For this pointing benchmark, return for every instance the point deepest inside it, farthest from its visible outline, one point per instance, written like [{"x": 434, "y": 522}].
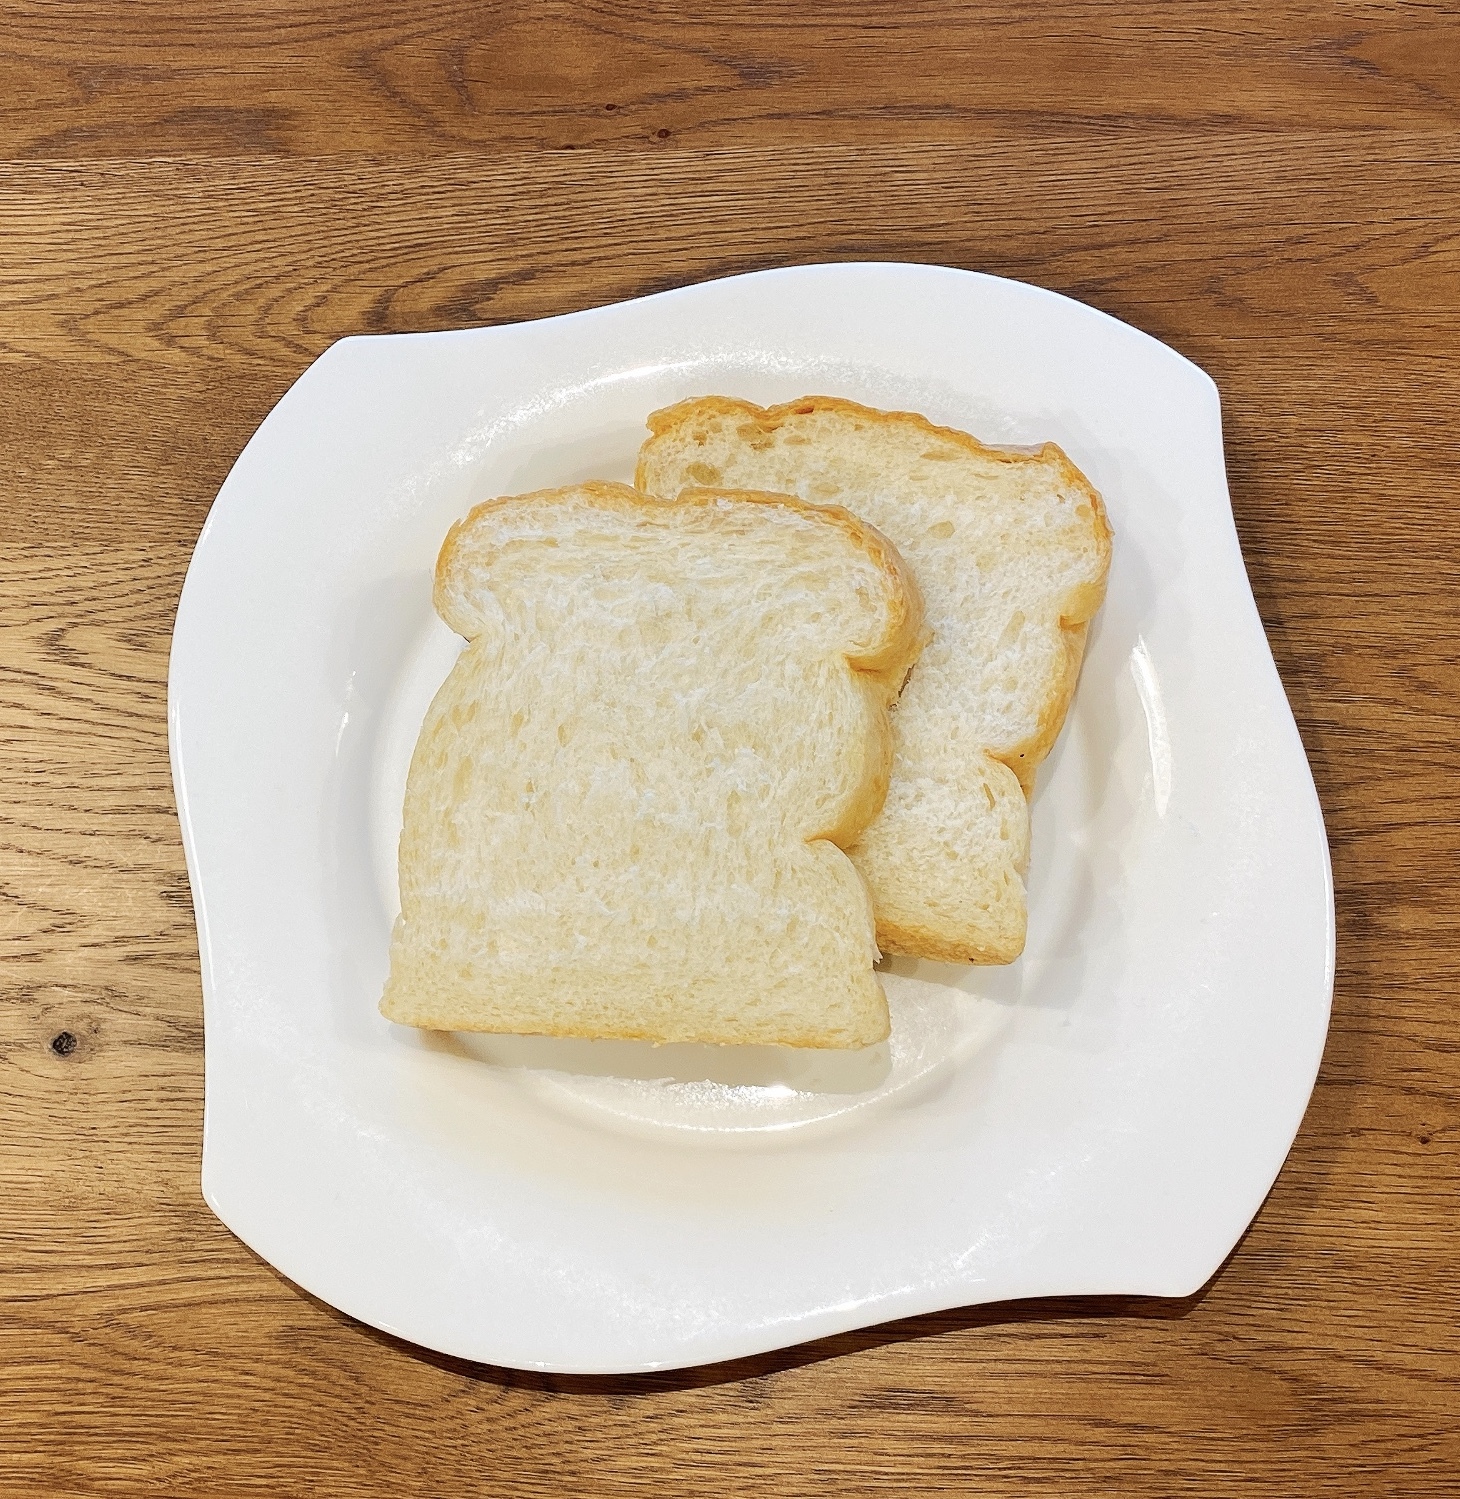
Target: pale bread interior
[
  {"x": 1011, "y": 551},
  {"x": 626, "y": 810}
]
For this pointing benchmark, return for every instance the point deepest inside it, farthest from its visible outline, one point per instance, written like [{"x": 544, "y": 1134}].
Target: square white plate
[{"x": 1105, "y": 1115}]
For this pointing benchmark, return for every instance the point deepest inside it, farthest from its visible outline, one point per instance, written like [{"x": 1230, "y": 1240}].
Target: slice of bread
[
  {"x": 626, "y": 811},
  {"x": 1011, "y": 550}
]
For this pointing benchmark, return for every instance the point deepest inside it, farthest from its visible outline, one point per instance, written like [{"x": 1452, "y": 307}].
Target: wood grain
[
  {"x": 419, "y": 79},
  {"x": 195, "y": 201}
]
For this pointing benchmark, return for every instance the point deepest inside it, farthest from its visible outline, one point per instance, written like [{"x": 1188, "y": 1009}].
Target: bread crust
[{"x": 897, "y": 941}]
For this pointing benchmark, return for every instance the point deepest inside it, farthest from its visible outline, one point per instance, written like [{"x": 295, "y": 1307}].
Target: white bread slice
[
  {"x": 1011, "y": 550},
  {"x": 626, "y": 811}
]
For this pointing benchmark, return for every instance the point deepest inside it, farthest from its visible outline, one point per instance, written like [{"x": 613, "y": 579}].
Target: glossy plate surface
[{"x": 1105, "y": 1115}]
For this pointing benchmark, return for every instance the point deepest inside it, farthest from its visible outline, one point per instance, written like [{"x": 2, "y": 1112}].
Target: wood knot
[{"x": 63, "y": 1043}]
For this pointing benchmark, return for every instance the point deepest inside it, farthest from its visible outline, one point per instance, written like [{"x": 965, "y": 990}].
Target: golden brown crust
[
  {"x": 907, "y": 941},
  {"x": 814, "y": 1040},
  {"x": 768, "y": 418},
  {"x": 1031, "y": 753},
  {"x": 1075, "y": 615}
]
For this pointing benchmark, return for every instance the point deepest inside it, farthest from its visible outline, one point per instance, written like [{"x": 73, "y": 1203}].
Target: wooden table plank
[
  {"x": 283, "y": 80},
  {"x": 1246, "y": 235},
  {"x": 194, "y": 203}
]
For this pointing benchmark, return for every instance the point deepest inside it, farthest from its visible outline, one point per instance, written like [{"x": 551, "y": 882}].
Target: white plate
[{"x": 1104, "y": 1116}]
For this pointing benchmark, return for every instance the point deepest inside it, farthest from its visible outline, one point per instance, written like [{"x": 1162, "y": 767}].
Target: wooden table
[{"x": 195, "y": 199}]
